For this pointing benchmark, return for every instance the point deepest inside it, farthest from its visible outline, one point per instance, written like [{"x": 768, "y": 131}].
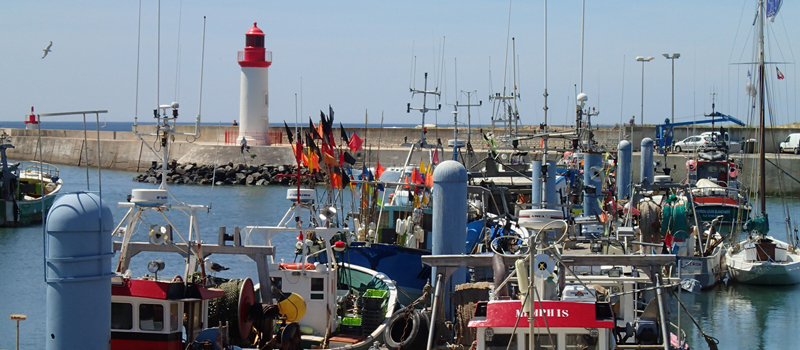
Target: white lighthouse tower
[{"x": 254, "y": 94}]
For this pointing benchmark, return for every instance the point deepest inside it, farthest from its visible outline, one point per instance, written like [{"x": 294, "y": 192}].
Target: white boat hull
[{"x": 747, "y": 271}]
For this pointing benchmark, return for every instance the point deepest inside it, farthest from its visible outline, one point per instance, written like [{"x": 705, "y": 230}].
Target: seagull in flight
[{"x": 47, "y": 49}]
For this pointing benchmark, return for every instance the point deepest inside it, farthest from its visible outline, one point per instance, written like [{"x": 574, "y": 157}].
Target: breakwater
[
  {"x": 226, "y": 174},
  {"x": 125, "y": 151}
]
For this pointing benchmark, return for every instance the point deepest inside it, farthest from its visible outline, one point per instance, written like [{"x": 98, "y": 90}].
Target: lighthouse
[{"x": 254, "y": 94}]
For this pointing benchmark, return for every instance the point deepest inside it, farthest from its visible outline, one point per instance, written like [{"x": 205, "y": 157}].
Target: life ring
[
  {"x": 733, "y": 171},
  {"x": 296, "y": 266},
  {"x": 691, "y": 164},
  {"x": 407, "y": 331}
]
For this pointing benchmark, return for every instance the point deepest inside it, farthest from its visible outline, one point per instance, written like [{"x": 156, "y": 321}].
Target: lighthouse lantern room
[{"x": 254, "y": 94}]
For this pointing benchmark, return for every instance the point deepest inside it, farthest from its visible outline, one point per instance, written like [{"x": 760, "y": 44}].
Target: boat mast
[{"x": 761, "y": 127}]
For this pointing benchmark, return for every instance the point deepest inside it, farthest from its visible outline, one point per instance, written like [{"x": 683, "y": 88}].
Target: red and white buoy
[
  {"x": 254, "y": 94},
  {"x": 31, "y": 123}
]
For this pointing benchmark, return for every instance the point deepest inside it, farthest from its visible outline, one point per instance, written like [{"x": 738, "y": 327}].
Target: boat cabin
[
  {"x": 151, "y": 314},
  {"x": 572, "y": 325}
]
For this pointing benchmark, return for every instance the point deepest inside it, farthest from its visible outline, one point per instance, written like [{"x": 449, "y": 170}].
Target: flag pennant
[
  {"x": 416, "y": 177},
  {"x": 329, "y": 159},
  {"x": 289, "y": 134},
  {"x": 379, "y": 170},
  {"x": 773, "y": 6},
  {"x": 345, "y": 177},
  {"x": 343, "y": 134},
  {"x": 780, "y": 75},
  {"x": 421, "y": 166},
  {"x": 435, "y": 158},
  {"x": 313, "y": 130},
  {"x": 355, "y": 143},
  {"x": 349, "y": 159}
]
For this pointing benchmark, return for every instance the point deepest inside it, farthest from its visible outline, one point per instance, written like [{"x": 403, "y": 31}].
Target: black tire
[
  {"x": 677, "y": 149},
  {"x": 406, "y": 333}
]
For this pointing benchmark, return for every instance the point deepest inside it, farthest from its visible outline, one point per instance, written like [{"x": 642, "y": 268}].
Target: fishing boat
[
  {"x": 761, "y": 259},
  {"x": 28, "y": 189},
  {"x": 716, "y": 188}
]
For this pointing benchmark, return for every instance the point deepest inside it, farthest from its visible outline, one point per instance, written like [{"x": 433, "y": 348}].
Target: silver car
[{"x": 691, "y": 143}]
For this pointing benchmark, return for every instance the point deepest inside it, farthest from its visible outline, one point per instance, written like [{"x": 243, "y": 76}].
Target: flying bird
[
  {"x": 47, "y": 49},
  {"x": 215, "y": 267}
]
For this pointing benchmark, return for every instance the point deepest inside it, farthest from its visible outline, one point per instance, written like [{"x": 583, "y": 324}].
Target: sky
[{"x": 361, "y": 57}]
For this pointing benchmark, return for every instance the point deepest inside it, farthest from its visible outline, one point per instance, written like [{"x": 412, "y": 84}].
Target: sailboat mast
[{"x": 762, "y": 184}]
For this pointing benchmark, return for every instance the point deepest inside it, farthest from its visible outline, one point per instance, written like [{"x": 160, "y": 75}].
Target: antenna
[{"x": 424, "y": 109}]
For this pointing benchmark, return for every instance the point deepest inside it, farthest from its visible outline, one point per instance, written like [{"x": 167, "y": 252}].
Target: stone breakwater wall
[{"x": 226, "y": 174}]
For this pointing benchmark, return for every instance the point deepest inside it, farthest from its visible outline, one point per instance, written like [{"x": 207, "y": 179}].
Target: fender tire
[{"x": 416, "y": 335}]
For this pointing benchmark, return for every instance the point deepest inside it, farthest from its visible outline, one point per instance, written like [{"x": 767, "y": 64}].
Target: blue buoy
[
  {"x": 646, "y": 170},
  {"x": 624, "y": 166},
  {"x": 78, "y": 272},
  {"x": 592, "y": 175},
  {"x": 449, "y": 220},
  {"x": 550, "y": 194},
  {"x": 536, "y": 183}
]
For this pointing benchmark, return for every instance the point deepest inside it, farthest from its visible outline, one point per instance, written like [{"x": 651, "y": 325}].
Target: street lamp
[
  {"x": 643, "y": 60},
  {"x": 673, "y": 58}
]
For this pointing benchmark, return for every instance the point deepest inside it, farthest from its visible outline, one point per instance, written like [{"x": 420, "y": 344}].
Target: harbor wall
[{"x": 124, "y": 151}]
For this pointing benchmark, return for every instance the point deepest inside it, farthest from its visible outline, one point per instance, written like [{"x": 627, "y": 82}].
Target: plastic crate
[
  {"x": 350, "y": 325},
  {"x": 373, "y": 299}
]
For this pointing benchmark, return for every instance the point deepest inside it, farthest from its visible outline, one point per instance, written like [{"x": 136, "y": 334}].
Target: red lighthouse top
[{"x": 254, "y": 54}]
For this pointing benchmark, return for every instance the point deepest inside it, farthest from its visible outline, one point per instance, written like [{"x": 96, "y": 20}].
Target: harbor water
[{"x": 740, "y": 316}]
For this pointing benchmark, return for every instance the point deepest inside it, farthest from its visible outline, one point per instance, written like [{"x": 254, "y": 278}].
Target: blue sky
[{"x": 357, "y": 57}]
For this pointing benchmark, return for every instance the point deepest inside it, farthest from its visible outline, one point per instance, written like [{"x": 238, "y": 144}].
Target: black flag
[
  {"x": 289, "y": 133},
  {"x": 344, "y": 134}
]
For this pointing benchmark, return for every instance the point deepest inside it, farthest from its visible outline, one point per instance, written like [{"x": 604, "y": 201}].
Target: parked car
[
  {"x": 691, "y": 143},
  {"x": 791, "y": 144}
]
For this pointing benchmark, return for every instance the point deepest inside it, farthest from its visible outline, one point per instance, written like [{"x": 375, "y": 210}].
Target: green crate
[
  {"x": 351, "y": 321},
  {"x": 375, "y": 293}
]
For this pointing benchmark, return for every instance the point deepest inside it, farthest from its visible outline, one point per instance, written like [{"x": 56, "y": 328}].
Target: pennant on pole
[
  {"x": 780, "y": 75},
  {"x": 355, "y": 142}
]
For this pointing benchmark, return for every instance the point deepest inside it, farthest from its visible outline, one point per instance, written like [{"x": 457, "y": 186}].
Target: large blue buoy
[
  {"x": 550, "y": 194},
  {"x": 624, "y": 166},
  {"x": 592, "y": 176},
  {"x": 646, "y": 170},
  {"x": 78, "y": 272},
  {"x": 536, "y": 183},
  {"x": 449, "y": 220}
]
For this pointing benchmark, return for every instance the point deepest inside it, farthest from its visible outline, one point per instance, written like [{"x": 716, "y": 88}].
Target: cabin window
[
  {"x": 266, "y": 100},
  {"x": 543, "y": 341},
  {"x": 581, "y": 341},
  {"x": 121, "y": 316},
  {"x": 500, "y": 342},
  {"x": 151, "y": 317},
  {"x": 317, "y": 285},
  {"x": 173, "y": 317}
]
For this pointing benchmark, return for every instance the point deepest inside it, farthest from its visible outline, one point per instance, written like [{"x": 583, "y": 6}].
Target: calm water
[{"x": 740, "y": 316}]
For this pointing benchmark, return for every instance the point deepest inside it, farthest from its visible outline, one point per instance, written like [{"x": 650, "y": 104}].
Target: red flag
[
  {"x": 435, "y": 158},
  {"x": 416, "y": 177},
  {"x": 355, "y": 142},
  {"x": 379, "y": 170},
  {"x": 668, "y": 239},
  {"x": 780, "y": 75},
  {"x": 341, "y": 158}
]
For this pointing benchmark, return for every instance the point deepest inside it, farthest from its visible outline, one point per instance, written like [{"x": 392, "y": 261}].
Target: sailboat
[{"x": 761, "y": 259}]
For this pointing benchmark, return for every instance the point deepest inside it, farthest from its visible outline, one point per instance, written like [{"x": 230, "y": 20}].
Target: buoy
[
  {"x": 291, "y": 305},
  {"x": 296, "y": 266},
  {"x": 733, "y": 171},
  {"x": 691, "y": 164}
]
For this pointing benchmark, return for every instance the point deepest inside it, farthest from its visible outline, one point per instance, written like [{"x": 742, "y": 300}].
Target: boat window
[
  {"x": 121, "y": 316},
  {"x": 543, "y": 341},
  {"x": 581, "y": 341},
  {"x": 317, "y": 285},
  {"x": 151, "y": 317},
  {"x": 173, "y": 317},
  {"x": 500, "y": 342}
]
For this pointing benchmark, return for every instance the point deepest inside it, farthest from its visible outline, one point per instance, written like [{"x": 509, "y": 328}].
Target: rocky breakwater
[{"x": 228, "y": 174}]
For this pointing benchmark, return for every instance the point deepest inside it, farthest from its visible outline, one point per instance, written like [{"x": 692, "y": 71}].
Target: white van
[{"x": 791, "y": 144}]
